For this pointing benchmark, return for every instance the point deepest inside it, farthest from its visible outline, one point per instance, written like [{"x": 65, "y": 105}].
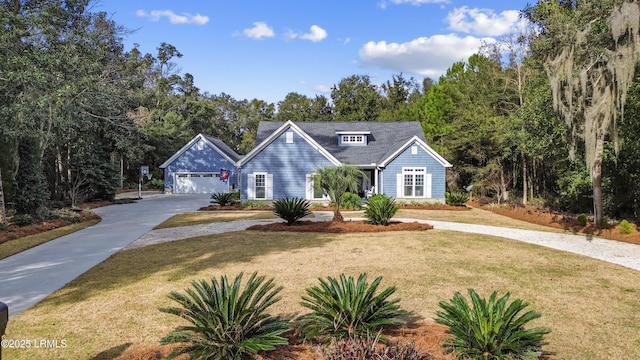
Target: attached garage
[
  {"x": 200, "y": 183},
  {"x": 200, "y": 167}
]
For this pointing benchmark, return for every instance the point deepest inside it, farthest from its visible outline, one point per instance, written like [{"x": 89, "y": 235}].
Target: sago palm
[
  {"x": 347, "y": 308},
  {"x": 225, "y": 321},
  {"x": 490, "y": 329}
]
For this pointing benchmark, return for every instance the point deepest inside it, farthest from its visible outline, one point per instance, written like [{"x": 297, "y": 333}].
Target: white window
[
  {"x": 414, "y": 150},
  {"x": 414, "y": 183},
  {"x": 260, "y": 186},
  {"x": 353, "y": 139},
  {"x": 200, "y": 145},
  {"x": 289, "y": 137},
  {"x": 314, "y": 191}
]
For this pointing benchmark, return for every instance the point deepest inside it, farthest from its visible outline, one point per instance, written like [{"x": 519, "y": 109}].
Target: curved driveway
[
  {"x": 31, "y": 275},
  {"x": 28, "y": 277}
]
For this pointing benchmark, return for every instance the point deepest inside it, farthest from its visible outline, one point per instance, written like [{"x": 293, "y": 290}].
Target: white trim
[
  {"x": 442, "y": 161},
  {"x": 191, "y": 143},
  {"x": 310, "y": 188},
  {"x": 411, "y": 170},
  {"x": 287, "y": 125},
  {"x": 255, "y": 185}
]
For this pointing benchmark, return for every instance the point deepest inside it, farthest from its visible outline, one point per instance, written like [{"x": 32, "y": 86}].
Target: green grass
[
  {"x": 13, "y": 247},
  {"x": 591, "y": 306}
]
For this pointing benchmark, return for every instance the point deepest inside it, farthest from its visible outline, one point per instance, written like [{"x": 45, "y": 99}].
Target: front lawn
[{"x": 591, "y": 306}]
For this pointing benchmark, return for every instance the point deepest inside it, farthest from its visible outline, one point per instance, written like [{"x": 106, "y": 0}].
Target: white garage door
[{"x": 199, "y": 183}]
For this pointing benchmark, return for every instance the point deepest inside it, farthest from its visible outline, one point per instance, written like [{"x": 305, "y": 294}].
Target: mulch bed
[
  {"x": 15, "y": 232},
  {"x": 340, "y": 226},
  {"x": 558, "y": 220}
]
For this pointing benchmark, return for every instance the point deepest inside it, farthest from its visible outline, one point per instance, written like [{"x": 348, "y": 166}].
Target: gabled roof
[
  {"x": 384, "y": 138},
  {"x": 214, "y": 143},
  {"x": 275, "y": 131},
  {"x": 442, "y": 161}
]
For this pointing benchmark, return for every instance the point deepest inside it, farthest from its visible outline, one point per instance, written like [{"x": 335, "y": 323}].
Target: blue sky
[{"x": 266, "y": 49}]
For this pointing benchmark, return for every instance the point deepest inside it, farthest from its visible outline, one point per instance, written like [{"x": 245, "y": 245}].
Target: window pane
[
  {"x": 317, "y": 191},
  {"x": 261, "y": 189}
]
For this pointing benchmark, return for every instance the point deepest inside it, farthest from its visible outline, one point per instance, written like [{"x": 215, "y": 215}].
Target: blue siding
[
  {"x": 289, "y": 164},
  {"x": 194, "y": 160},
  {"x": 421, "y": 159}
]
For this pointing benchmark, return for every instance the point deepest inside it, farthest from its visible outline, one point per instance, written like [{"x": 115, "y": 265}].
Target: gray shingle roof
[
  {"x": 223, "y": 147},
  {"x": 385, "y": 137}
]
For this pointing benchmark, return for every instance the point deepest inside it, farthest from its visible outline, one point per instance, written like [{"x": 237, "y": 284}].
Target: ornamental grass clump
[
  {"x": 380, "y": 209},
  {"x": 291, "y": 209},
  {"x": 369, "y": 349},
  {"x": 225, "y": 321},
  {"x": 347, "y": 308},
  {"x": 490, "y": 329}
]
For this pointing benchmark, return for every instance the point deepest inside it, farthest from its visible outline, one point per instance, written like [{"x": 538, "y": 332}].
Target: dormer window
[{"x": 353, "y": 138}]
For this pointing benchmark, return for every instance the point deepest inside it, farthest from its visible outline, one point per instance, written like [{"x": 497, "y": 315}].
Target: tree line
[{"x": 522, "y": 120}]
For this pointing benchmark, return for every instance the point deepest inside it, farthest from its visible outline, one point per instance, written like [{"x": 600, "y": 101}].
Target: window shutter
[
  {"x": 399, "y": 185},
  {"x": 251, "y": 186},
  {"x": 269, "y": 186},
  {"x": 428, "y": 184},
  {"x": 309, "y": 186}
]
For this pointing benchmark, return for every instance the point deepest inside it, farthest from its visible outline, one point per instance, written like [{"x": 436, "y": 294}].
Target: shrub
[
  {"x": 3, "y": 226},
  {"x": 626, "y": 227},
  {"x": 346, "y": 308},
  {"x": 351, "y": 201},
  {"x": 369, "y": 349},
  {"x": 380, "y": 209},
  {"x": 222, "y": 199},
  {"x": 154, "y": 184},
  {"x": 582, "y": 220},
  {"x": 456, "y": 198},
  {"x": 291, "y": 209},
  {"x": 603, "y": 222},
  {"x": 226, "y": 322},
  {"x": 23, "y": 219},
  {"x": 254, "y": 204},
  {"x": 490, "y": 329}
]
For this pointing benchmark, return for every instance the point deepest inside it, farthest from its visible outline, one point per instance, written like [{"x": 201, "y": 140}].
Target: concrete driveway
[{"x": 30, "y": 276}]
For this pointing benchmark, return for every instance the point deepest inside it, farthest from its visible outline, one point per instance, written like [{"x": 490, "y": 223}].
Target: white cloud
[
  {"x": 426, "y": 56},
  {"x": 185, "y": 18},
  {"x": 483, "y": 22},
  {"x": 316, "y": 34},
  {"x": 259, "y": 30},
  {"x": 383, "y": 4}
]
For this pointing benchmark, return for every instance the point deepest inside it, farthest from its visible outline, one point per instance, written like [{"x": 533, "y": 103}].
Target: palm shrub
[
  {"x": 225, "y": 321},
  {"x": 456, "y": 198},
  {"x": 291, "y": 209},
  {"x": 490, "y": 329},
  {"x": 380, "y": 209},
  {"x": 223, "y": 199},
  {"x": 337, "y": 180},
  {"x": 346, "y": 308}
]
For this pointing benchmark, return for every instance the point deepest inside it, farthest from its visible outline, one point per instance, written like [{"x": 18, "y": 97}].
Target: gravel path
[{"x": 616, "y": 252}]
